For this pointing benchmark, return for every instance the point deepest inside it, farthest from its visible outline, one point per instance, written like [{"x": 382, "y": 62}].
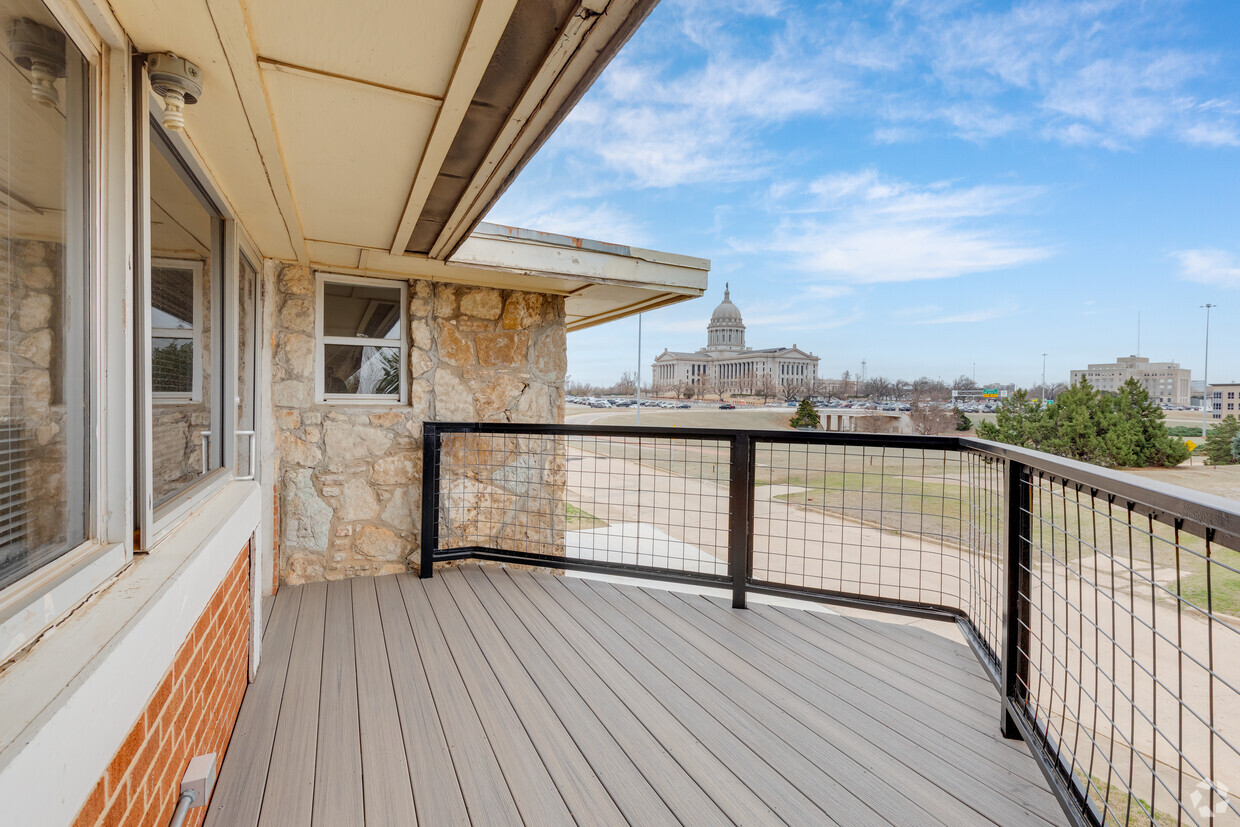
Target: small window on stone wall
[
  {"x": 176, "y": 312},
  {"x": 361, "y": 340}
]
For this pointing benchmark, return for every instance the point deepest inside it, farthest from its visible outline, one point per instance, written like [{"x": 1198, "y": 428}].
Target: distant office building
[
  {"x": 1224, "y": 400},
  {"x": 1166, "y": 382},
  {"x": 727, "y": 361}
]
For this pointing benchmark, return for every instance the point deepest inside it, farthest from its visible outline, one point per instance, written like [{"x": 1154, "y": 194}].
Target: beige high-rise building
[
  {"x": 1166, "y": 382},
  {"x": 728, "y": 364}
]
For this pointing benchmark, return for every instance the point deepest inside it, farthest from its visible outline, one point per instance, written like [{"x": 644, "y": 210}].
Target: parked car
[
  {"x": 727, "y": 407},
  {"x": 683, "y": 405}
]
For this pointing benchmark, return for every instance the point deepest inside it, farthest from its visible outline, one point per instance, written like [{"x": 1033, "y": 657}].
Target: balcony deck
[{"x": 493, "y": 696}]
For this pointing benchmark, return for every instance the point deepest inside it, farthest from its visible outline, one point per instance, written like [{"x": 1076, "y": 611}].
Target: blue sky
[{"x": 923, "y": 184}]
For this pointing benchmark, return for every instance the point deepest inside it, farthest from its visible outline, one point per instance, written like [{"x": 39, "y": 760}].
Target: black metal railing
[{"x": 1106, "y": 608}]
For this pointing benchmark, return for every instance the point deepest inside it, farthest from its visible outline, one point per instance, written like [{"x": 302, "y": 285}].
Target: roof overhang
[
  {"x": 601, "y": 282},
  {"x": 373, "y": 136},
  {"x": 374, "y": 125}
]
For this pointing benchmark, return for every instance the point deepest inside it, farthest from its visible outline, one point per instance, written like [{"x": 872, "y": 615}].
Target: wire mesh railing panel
[
  {"x": 874, "y": 521},
  {"x": 983, "y": 590},
  {"x": 647, "y": 502},
  {"x": 1133, "y": 650}
]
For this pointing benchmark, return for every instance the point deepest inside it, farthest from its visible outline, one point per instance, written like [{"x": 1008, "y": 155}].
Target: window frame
[
  {"x": 155, "y": 521},
  {"x": 195, "y": 333},
  {"x": 36, "y": 601},
  {"x": 321, "y": 340}
]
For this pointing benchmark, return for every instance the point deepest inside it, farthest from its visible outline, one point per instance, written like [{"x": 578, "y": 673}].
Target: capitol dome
[
  {"x": 726, "y": 311},
  {"x": 726, "y": 331}
]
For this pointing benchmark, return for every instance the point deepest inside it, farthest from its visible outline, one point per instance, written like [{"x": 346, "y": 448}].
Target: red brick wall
[{"x": 191, "y": 713}]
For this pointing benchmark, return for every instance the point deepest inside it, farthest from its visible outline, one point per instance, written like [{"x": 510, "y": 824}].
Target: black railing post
[
  {"x": 430, "y": 499},
  {"x": 740, "y": 499},
  {"x": 1017, "y": 560}
]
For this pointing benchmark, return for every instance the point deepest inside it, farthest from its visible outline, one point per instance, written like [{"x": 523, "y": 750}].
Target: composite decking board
[
  {"x": 789, "y": 784},
  {"x": 848, "y": 769},
  {"x": 632, "y": 794},
  {"x": 437, "y": 789},
  {"x": 267, "y": 603},
  {"x": 845, "y": 666},
  {"x": 485, "y": 789},
  {"x": 746, "y": 673},
  {"x": 537, "y": 797},
  {"x": 715, "y": 770},
  {"x": 949, "y": 790},
  {"x": 959, "y": 678},
  {"x": 337, "y": 795},
  {"x": 598, "y": 678},
  {"x": 877, "y": 713},
  {"x": 290, "y": 777},
  {"x": 387, "y": 795},
  {"x": 238, "y": 795},
  {"x": 845, "y": 661},
  {"x": 586, "y": 796},
  {"x": 637, "y": 705},
  {"x": 909, "y": 668}
]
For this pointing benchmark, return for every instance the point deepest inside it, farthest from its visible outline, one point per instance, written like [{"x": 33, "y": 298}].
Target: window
[
  {"x": 176, "y": 319},
  {"x": 45, "y": 392},
  {"x": 183, "y": 342},
  {"x": 361, "y": 341}
]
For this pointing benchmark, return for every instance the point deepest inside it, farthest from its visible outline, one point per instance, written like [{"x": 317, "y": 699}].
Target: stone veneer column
[{"x": 349, "y": 476}]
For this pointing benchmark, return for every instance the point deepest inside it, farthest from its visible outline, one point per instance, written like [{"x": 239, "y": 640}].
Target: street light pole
[
  {"x": 1043, "y": 378},
  {"x": 1205, "y": 394}
]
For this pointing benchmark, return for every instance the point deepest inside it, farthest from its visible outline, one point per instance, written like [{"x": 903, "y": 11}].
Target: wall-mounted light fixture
[
  {"x": 178, "y": 81},
  {"x": 40, "y": 50}
]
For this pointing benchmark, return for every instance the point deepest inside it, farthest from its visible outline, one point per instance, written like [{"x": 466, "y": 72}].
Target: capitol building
[{"x": 726, "y": 364}]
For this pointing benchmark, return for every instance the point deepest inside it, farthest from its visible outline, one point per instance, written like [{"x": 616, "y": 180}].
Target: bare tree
[
  {"x": 963, "y": 383},
  {"x": 929, "y": 417},
  {"x": 627, "y": 384},
  {"x": 767, "y": 387},
  {"x": 712, "y": 386},
  {"x": 879, "y": 387}
]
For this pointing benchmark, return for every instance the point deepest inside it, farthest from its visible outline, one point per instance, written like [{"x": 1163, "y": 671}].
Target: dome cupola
[{"x": 726, "y": 331}]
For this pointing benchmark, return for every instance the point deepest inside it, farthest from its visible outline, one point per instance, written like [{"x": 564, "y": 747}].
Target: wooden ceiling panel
[
  {"x": 347, "y": 151},
  {"x": 411, "y": 44}
]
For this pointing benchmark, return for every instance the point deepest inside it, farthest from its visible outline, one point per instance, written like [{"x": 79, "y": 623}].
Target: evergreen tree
[
  {"x": 1235, "y": 448},
  {"x": 1123, "y": 429},
  {"x": 1144, "y": 423},
  {"x": 1075, "y": 426},
  {"x": 1219, "y": 440},
  {"x": 806, "y": 416},
  {"x": 1016, "y": 422}
]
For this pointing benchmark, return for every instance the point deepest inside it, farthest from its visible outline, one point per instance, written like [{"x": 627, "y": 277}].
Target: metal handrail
[{"x": 1029, "y": 567}]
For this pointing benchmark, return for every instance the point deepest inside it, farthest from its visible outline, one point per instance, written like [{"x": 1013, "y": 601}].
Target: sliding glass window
[
  {"x": 184, "y": 346},
  {"x": 44, "y": 233}
]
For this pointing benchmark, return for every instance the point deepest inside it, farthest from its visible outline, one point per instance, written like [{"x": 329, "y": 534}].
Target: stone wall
[
  {"x": 33, "y": 417},
  {"x": 350, "y": 475}
]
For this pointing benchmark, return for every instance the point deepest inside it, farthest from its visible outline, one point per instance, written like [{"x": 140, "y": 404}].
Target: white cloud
[
  {"x": 1208, "y": 266},
  {"x": 874, "y": 229}
]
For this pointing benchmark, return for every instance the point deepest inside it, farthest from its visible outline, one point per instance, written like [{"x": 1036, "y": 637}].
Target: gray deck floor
[{"x": 496, "y": 696}]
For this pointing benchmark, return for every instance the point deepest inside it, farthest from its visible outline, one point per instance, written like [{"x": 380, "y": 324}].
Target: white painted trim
[
  {"x": 42, "y": 597},
  {"x": 71, "y": 700},
  {"x": 32, "y": 604},
  {"x": 320, "y": 341}
]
